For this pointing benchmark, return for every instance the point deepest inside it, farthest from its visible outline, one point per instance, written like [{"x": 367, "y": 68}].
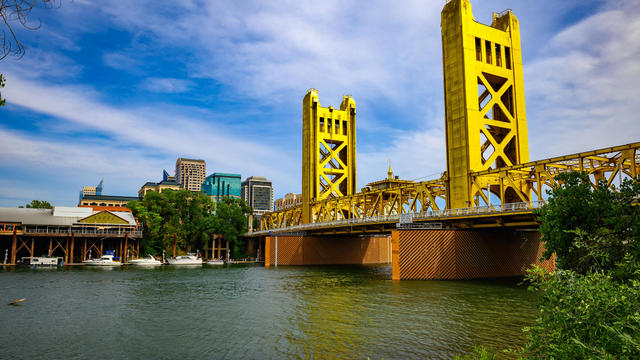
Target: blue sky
[{"x": 119, "y": 89}]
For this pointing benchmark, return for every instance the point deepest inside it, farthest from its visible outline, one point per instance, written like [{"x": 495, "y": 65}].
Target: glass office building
[{"x": 220, "y": 185}]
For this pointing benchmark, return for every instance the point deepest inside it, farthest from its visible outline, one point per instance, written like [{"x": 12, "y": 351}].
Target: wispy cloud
[
  {"x": 166, "y": 85},
  {"x": 583, "y": 93}
]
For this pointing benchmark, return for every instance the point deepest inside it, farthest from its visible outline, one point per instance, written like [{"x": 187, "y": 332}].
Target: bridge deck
[{"x": 507, "y": 215}]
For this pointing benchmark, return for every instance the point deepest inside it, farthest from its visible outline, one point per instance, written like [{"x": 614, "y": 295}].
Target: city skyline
[{"x": 92, "y": 99}]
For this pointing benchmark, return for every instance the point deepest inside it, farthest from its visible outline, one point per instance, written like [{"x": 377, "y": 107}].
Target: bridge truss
[{"x": 522, "y": 183}]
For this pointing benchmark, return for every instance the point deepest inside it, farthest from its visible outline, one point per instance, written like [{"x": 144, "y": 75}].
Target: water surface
[{"x": 250, "y": 312}]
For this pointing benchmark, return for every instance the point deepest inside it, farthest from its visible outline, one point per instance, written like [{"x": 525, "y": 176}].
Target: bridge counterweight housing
[
  {"x": 486, "y": 125},
  {"x": 328, "y": 152}
]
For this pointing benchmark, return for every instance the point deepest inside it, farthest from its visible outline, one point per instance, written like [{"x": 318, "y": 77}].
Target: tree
[
  {"x": 189, "y": 220},
  {"x": 231, "y": 222},
  {"x": 2, "y": 101},
  {"x": 39, "y": 204},
  {"x": 19, "y": 11},
  {"x": 590, "y": 229}
]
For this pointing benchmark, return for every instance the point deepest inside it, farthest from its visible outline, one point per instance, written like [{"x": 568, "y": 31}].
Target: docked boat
[
  {"x": 147, "y": 261},
  {"x": 105, "y": 260},
  {"x": 215, "y": 262},
  {"x": 42, "y": 261},
  {"x": 185, "y": 260}
]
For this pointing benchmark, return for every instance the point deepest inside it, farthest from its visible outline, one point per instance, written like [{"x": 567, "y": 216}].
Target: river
[{"x": 250, "y": 312}]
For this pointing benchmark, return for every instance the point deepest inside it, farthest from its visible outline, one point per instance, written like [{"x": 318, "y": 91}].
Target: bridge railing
[
  {"x": 411, "y": 217},
  {"x": 80, "y": 230}
]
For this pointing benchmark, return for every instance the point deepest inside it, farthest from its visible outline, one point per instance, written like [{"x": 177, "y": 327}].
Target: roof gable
[{"x": 103, "y": 217}]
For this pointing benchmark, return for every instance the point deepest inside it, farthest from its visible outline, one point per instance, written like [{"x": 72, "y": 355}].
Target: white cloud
[
  {"x": 167, "y": 85},
  {"x": 582, "y": 94},
  {"x": 154, "y": 130}
]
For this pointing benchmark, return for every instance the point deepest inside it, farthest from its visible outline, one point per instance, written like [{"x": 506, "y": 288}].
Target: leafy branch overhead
[
  {"x": 18, "y": 11},
  {"x": 1, "y": 86}
]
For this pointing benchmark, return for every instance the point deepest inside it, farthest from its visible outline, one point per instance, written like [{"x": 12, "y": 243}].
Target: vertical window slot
[
  {"x": 321, "y": 124},
  {"x": 337, "y": 126},
  {"x": 507, "y": 57},
  {"x": 344, "y": 128},
  {"x": 478, "y": 49},
  {"x": 487, "y": 46},
  {"x": 329, "y": 125},
  {"x": 498, "y": 55}
]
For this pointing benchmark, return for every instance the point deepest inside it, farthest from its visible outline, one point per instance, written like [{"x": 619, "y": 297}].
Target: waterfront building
[
  {"x": 190, "y": 173},
  {"x": 257, "y": 191},
  {"x": 288, "y": 201},
  {"x": 222, "y": 185},
  {"x": 390, "y": 182},
  {"x": 168, "y": 182},
  {"x": 71, "y": 232},
  {"x": 107, "y": 202}
]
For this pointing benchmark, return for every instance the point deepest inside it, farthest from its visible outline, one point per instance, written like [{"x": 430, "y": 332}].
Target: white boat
[
  {"x": 185, "y": 260},
  {"x": 215, "y": 262},
  {"x": 148, "y": 261},
  {"x": 41, "y": 261},
  {"x": 105, "y": 260}
]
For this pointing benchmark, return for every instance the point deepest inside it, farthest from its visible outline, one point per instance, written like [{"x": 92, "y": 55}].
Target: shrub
[{"x": 585, "y": 317}]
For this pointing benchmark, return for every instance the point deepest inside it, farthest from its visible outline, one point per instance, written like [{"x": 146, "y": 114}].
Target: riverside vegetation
[
  {"x": 589, "y": 307},
  {"x": 190, "y": 220}
]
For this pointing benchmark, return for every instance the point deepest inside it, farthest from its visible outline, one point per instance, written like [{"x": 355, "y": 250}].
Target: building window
[
  {"x": 478, "y": 49},
  {"x": 507, "y": 57}
]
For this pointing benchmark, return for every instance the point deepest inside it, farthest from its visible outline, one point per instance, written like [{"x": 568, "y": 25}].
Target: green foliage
[
  {"x": 191, "y": 219},
  {"x": 479, "y": 353},
  {"x": 231, "y": 221},
  {"x": 589, "y": 316},
  {"x": 2, "y": 101},
  {"x": 590, "y": 229},
  {"x": 39, "y": 204}
]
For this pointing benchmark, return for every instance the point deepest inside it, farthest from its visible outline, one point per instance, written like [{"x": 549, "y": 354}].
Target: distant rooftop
[
  {"x": 226, "y": 175},
  {"x": 194, "y": 160},
  {"x": 111, "y": 197}
]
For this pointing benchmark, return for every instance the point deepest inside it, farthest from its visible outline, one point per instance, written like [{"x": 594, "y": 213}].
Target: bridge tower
[
  {"x": 485, "y": 120},
  {"x": 328, "y": 151}
]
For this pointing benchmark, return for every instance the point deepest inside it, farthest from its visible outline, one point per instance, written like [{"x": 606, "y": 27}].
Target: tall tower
[
  {"x": 190, "y": 173},
  {"x": 485, "y": 120},
  {"x": 328, "y": 151}
]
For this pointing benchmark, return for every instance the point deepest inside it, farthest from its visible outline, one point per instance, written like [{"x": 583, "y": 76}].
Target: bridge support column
[
  {"x": 327, "y": 250},
  {"x": 465, "y": 254}
]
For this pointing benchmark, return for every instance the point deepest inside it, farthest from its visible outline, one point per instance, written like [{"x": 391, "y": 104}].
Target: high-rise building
[
  {"x": 257, "y": 191},
  {"x": 91, "y": 190},
  {"x": 167, "y": 177},
  {"x": 220, "y": 185},
  {"x": 190, "y": 173},
  {"x": 288, "y": 201}
]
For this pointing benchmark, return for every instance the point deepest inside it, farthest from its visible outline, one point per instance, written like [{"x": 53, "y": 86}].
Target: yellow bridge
[{"x": 489, "y": 183}]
